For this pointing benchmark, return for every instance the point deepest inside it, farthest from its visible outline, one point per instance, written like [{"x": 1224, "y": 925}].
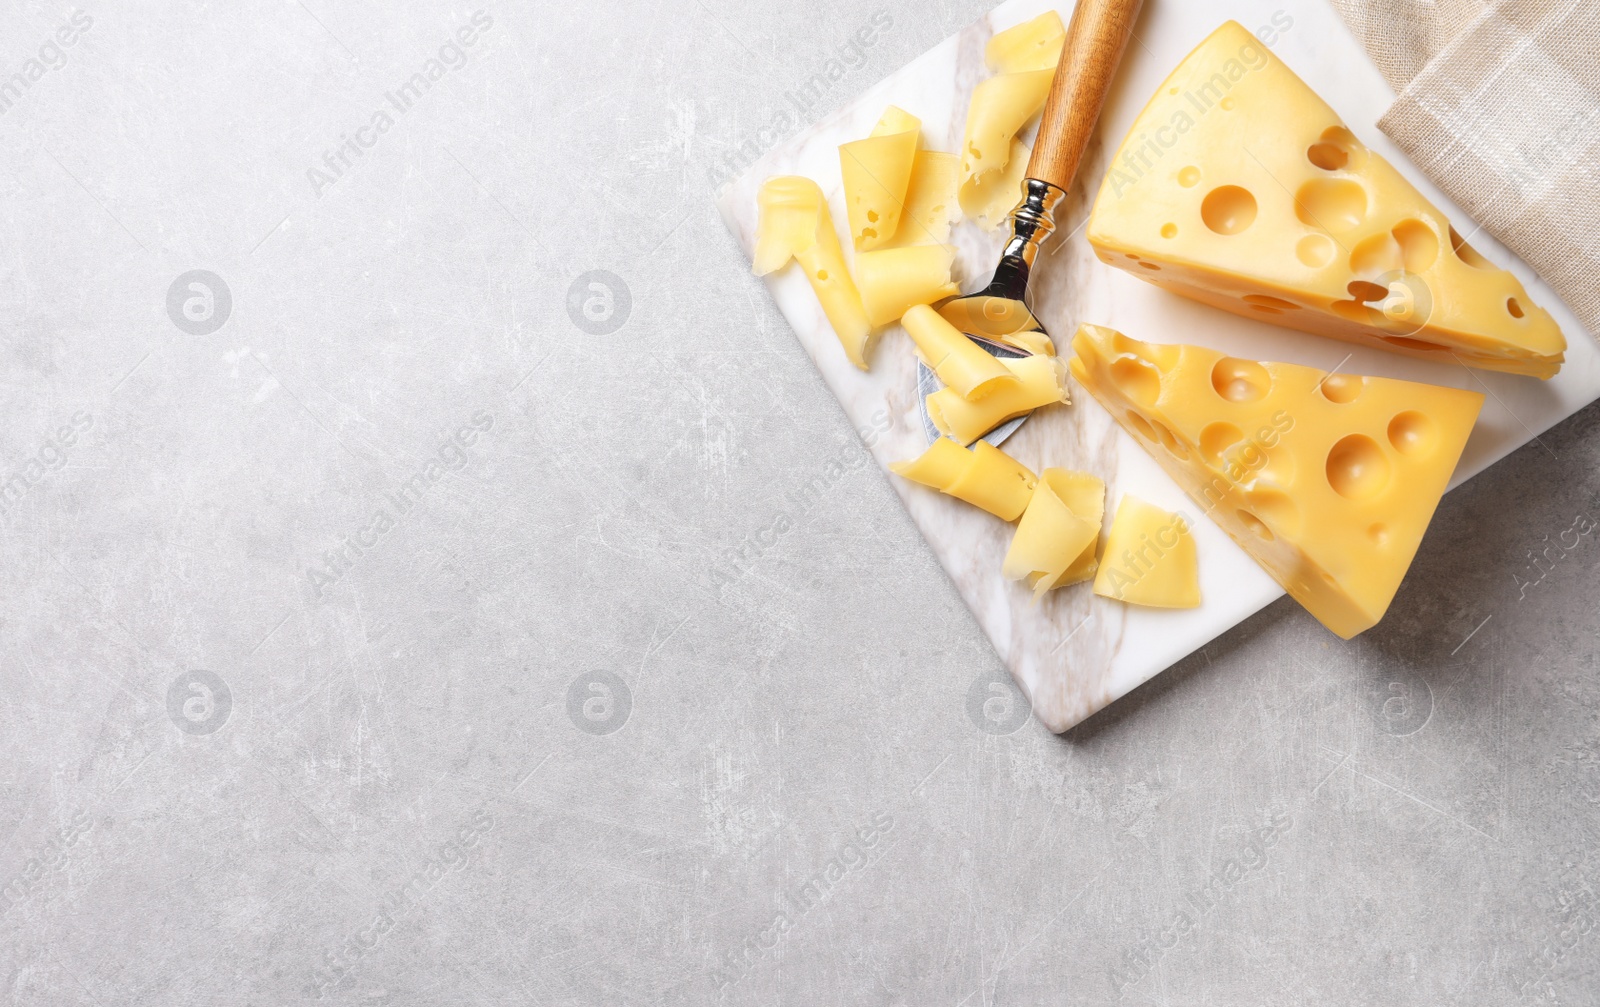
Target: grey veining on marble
[{"x": 451, "y": 583}]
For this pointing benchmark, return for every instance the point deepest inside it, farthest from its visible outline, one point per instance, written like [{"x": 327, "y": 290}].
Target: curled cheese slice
[
  {"x": 1086, "y": 496},
  {"x": 993, "y": 160},
  {"x": 795, "y": 224},
  {"x": 1053, "y": 536},
  {"x": 1000, "y": 319},
  {"x": 1150, "y": 558},
  {"x": 958, "y": 361},
  {"x": 1039, "y": 384},
  {"x": 989, "y": 198},
  {"x": 931, "y": 205},
  {"x": 894, "y": 279},
  {"x": 987, "y": 478},
  {"x": 1031, "y": 45},
  {"x": 877, "y": 173}
]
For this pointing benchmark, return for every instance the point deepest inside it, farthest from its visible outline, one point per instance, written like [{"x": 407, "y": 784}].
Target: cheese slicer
[{"x": 997, "y": 317}]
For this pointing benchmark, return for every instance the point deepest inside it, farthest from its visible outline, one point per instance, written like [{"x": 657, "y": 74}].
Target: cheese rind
[
  {"x": 1150, "y": 558},
  {"x": 876, "y": 173},
  {"x": 958, "y": 361},
  {"x": 1237, "y": 186},
  {"x": 795, "y": 224},
  {"x": 993, "y": 160},
  {"x": 1040, "y": 383},
  {"x": 1054, "y": 535},
  {"x": 895, "y": 279},
  {"x": 986, "y": 478},
  {"x": 1327, "y": 480}
]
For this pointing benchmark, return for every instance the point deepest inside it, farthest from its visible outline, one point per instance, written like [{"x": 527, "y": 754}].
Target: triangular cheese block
[
  {"x": 1327, "y": 480},
  {"x": 1239, "y": 187}
]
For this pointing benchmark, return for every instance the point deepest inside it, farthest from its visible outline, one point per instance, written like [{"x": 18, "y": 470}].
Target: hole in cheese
[
  {"x": 1412, "y": 433},
  {"x": 1189, "y": 176},
  {"x": 1256, "y": 526},
  {"x": 1419, "y": 246},
  {"x": 1228, "y": 209},
  {"x": 1278, "y": 510},
  {"x": 1357, "y": 468},
  {"x": 1169, "y": 230},
  {"x": 1514, "y": 306},
  {"x": 1156, "y": 432},
  {"x": 1141, "y": 426},
  {"x": 1328, "y": 156},
  {"x": 1138, "y": 379},
  {"x": 1333, "y": 204},
  {"x": 1342, "y": 388},
  {"x": 1364, "y": 290},
  {"x": 1379, "y": 533},
  {"x": 1336, "y": 150},
  {"x": 1240, "y": 380},
  {"x": 1268, "y": 301},
  {"x": 1466, "y": 253},
  {"x": 1217, "y": 438},
  {"x": 1376, "y": 255},
  {"x": 1314, "y": 250},
  {"x": 1168, "y": 439},
  {"x": 1355, "y": 311}
]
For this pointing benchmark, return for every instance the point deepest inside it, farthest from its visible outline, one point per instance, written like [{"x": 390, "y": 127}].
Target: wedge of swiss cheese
[
  {"x": 1239, "y": 187},
  {"x": 1327, "y": 480}
]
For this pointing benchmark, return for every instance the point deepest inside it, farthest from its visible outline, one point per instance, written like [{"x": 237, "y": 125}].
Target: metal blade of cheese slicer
[{"x": 997, "y": 317}]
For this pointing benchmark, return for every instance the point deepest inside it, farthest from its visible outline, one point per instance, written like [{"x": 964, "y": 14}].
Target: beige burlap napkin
[{"x": 1499, "y": 104}]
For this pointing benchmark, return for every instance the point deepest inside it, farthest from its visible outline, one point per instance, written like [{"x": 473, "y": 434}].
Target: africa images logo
[{"x": 199, "y": 702}]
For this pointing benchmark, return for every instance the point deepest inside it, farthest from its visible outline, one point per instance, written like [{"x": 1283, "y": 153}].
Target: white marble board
[{"x": 1075, "y": 652}]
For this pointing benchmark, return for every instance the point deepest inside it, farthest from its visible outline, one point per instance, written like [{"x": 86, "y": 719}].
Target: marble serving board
[{"x": 1075, "y": 652}]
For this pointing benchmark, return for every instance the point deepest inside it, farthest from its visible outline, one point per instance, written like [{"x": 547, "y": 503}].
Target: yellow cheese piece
[
  {"x": 876, "y": 173},
  {"x": 795, "y": 224},
  {"x": 1040, "y": 382},
  {"x": 1031, "y": 45},
  {"x": 958, "y": 361},
  {"x": 993, "y": 160},
  {"x": 1059, "y": 528},
  {"x": 1150, "y": 558},
  {"x": 1000, "y": 319},
  {"x": 1239, "y": 187},
  {"x": 1327, "y": 480},
  {"x": 987, "y": 477},
  {"x": 894, "y": 279},
  {"x": 1086, "y": 496},
  {"x": 931, "y": 205}
]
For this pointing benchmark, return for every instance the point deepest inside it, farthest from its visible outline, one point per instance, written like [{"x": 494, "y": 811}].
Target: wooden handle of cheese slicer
[{"x": 1095, "y": 39}]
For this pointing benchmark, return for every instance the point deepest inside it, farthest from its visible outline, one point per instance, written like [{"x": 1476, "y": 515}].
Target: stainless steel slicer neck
[{"x": 1031, "y": 223}]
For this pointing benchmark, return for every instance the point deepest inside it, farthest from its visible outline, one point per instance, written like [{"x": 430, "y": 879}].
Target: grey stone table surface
[{"x": 411, "y": 595}]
